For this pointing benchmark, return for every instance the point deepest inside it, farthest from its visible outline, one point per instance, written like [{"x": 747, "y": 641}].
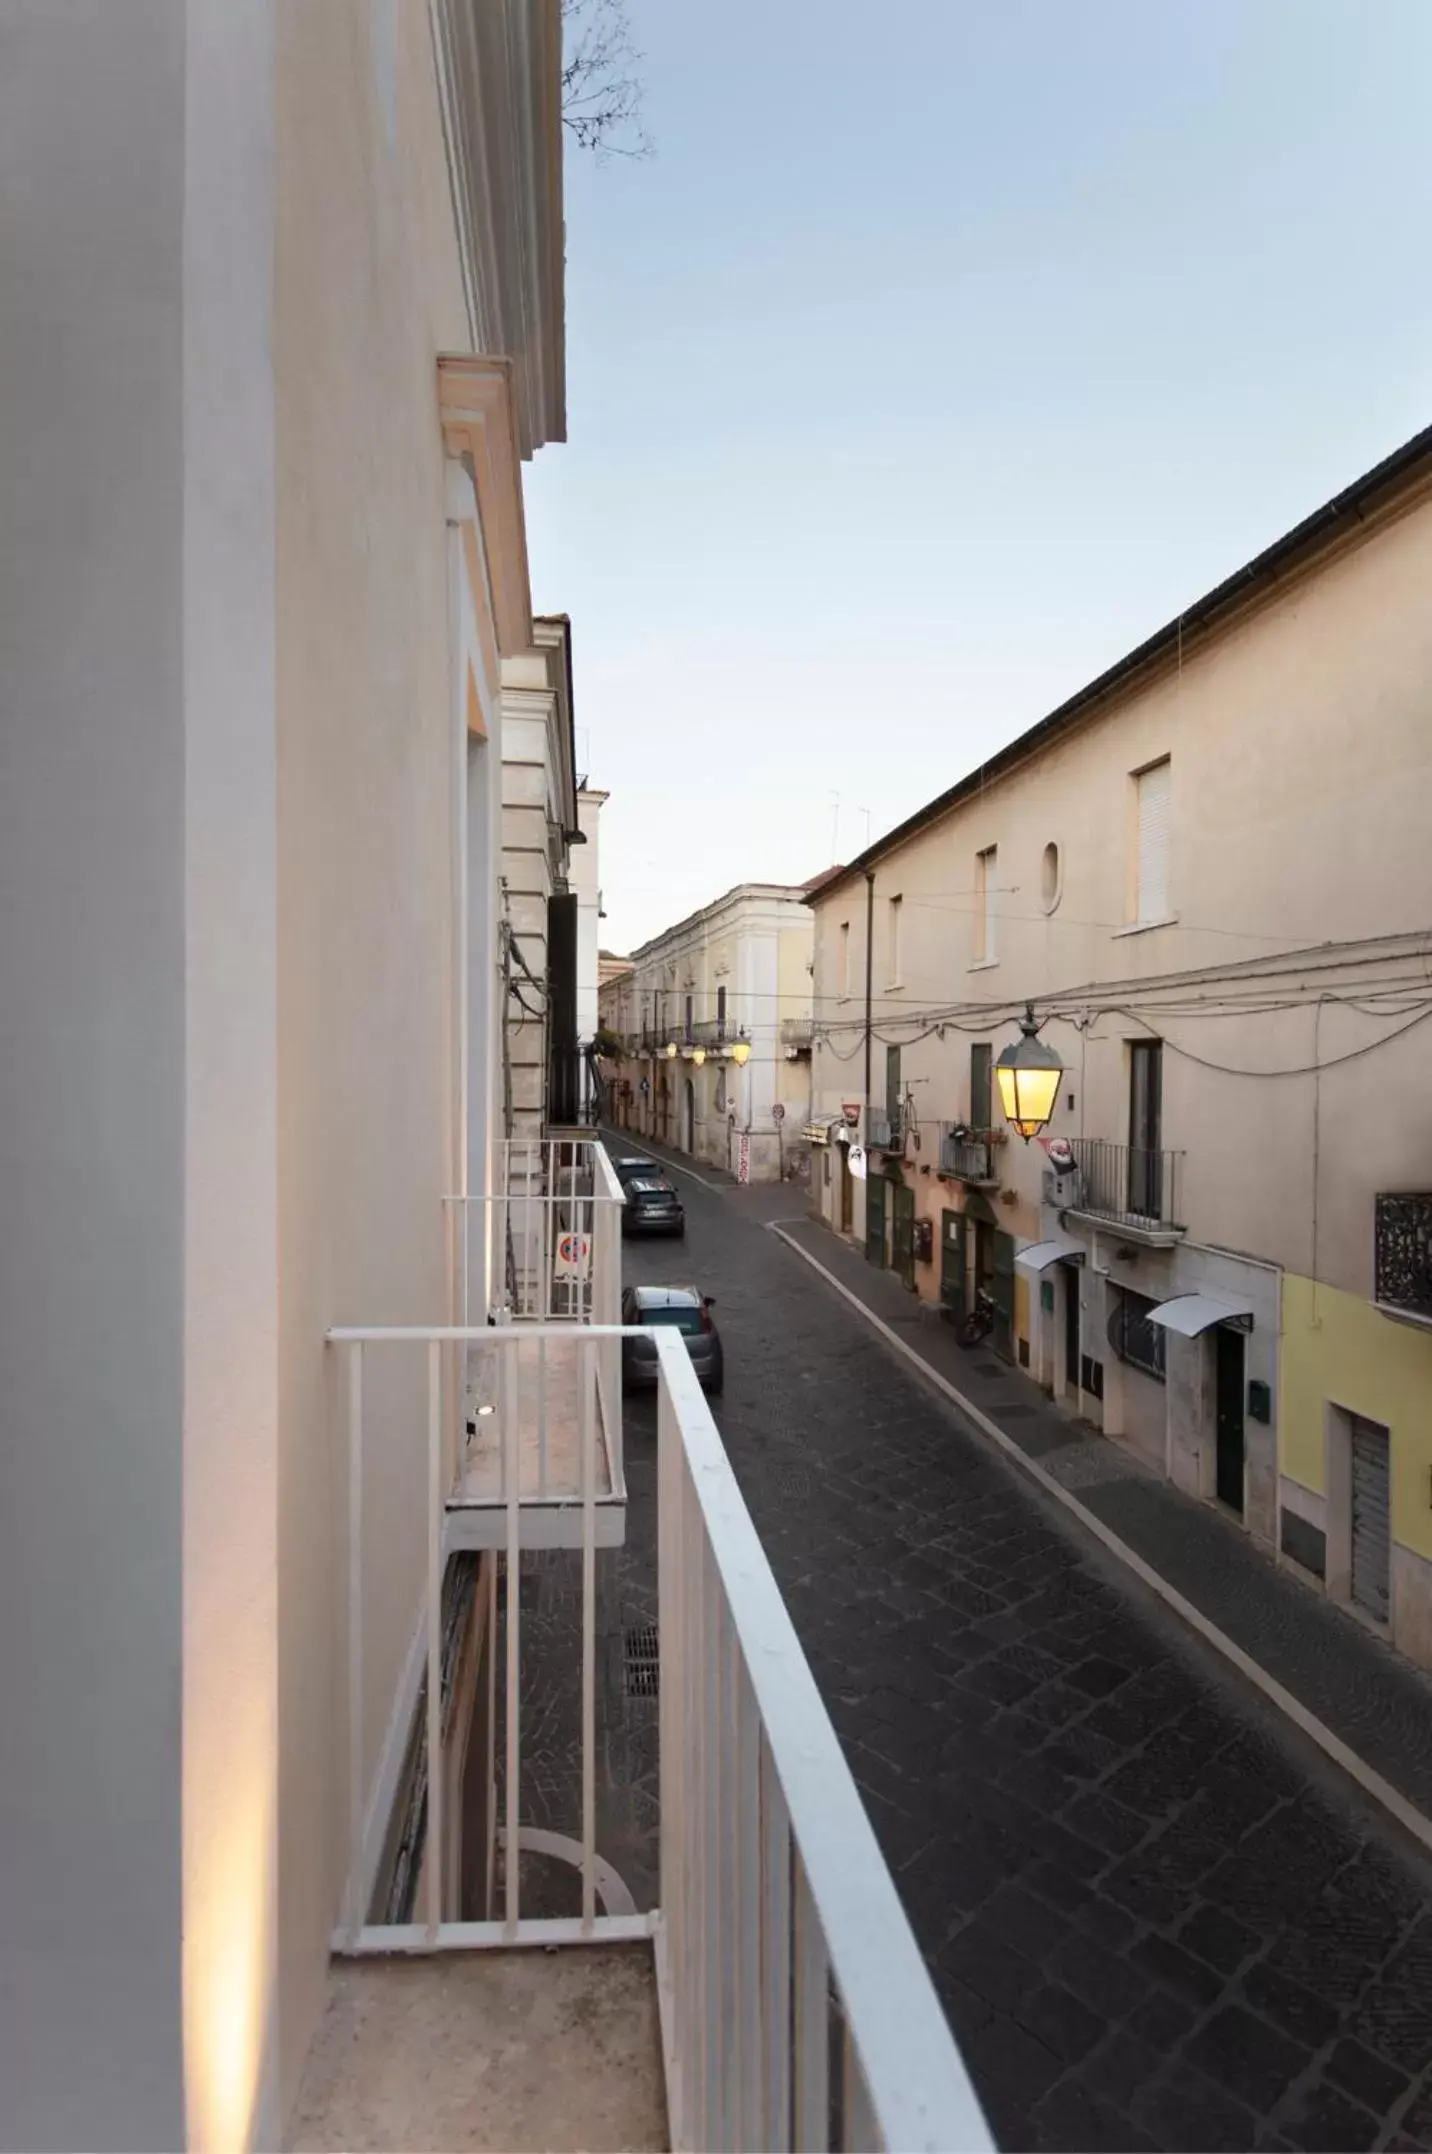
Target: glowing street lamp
[
  {"x": 1028, "y": 1075},
  {"x": 741, "y": 1052},
  {"x": 698, "y": 1056},
  {"x": 669, "y": 1050}
]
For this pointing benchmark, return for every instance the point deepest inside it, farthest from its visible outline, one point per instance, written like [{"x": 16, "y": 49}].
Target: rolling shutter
[
  {"x": 1154, "y": 795},
  {"x": 1371, "y": 1557}
]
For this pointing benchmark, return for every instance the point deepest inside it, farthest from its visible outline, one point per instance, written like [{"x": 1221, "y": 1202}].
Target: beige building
[
  {"x": 1209, "y": 872},
  {"x": 547, "y": 930},
  {"x": 716, "y": 1016}
]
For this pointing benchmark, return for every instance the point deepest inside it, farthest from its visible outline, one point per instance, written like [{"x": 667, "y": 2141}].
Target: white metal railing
[
  {"x": 545, "y": 1247},
  {"x": 780, "y": 1940},
  {"x": 545, "y": 1243}
]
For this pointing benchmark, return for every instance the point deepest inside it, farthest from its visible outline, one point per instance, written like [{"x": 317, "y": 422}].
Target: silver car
[{"x": 690, "y": 1314}]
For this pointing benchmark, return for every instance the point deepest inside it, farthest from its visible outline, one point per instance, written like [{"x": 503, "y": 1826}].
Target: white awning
[
  {"x": 819, "y": 1132},
  {"x": 1040, "y": 1255},
  {"x": 1189, "y": 1314}
]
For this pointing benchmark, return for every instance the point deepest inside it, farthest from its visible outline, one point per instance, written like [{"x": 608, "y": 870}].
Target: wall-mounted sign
[
  {"x": 743, "y": 1158},
  {"x": 574, "y": 1255},
  {"x": 850, "y": 1108},
  {"x": 855, "y": 1160},
  {"x": 778, "y": 1112}
]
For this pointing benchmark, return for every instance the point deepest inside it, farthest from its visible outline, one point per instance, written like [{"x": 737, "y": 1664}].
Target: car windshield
[
  {"x": 685, "y": 1319},
  {"x": 652, "y": 1189}
]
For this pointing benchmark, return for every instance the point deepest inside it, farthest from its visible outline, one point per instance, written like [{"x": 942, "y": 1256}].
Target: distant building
[{"x": 716, "y": 1013}]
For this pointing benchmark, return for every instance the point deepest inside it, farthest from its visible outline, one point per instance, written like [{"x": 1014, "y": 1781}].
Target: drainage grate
[{"x": 641, "y": 1662}]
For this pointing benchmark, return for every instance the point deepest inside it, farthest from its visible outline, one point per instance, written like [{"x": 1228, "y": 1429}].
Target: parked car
[
  {"x": 652, "y": 1207},
  {"x": 626, "y": 1166},
  {"x": 689, "y": 1312}
]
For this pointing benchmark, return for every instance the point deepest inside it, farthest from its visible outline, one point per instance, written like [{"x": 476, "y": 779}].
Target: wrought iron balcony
[
  {"x": 1129, "y": 1187},
  {"x": 969, "y": 1155},
  {"x": 886, "y": 1130},
  {"x": 1403, "y": 1254},
  {"x": 797, "y": 1034}
]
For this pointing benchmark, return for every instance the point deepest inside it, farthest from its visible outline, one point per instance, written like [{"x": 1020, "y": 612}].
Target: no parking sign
[{"x": 574, "y": 1255}]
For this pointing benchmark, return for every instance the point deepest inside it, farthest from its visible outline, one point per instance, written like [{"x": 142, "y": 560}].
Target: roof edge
[{"x": 1303, "y": 544}]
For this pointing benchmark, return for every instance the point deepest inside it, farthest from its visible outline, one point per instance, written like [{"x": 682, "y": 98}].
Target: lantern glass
[
  {"x": 698, "y": 1056},
  {"x": 741, "y": 1053},
  {"x": 1028, "y": 1075},
  {"x": 1027, "y": 1096}
]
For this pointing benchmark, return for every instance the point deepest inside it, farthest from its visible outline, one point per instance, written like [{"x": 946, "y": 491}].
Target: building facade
[
  {"x": 288, "y": 317},
  {"x": 715, "y": 1019},
  {"x": 548, "y": 914},
  {"x": 1208, "y": 873}
]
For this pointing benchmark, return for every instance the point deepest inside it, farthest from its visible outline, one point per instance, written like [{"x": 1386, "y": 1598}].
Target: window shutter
[{"x": 1153, "y": 842}]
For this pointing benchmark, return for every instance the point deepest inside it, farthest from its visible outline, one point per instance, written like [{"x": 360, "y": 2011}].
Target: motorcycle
[{"x": 978, "y": 1325}]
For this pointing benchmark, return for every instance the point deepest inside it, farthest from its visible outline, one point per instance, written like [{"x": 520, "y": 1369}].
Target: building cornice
[
  {"x": 476, "y": 411},
  {"x": 770, "y": 896},
  {"x": 499, "y": 73}
]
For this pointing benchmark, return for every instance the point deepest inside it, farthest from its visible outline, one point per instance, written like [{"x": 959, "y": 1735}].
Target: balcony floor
[
  {"x": 487, "y": 2050},
  {"x": 548, "y": 1471}
]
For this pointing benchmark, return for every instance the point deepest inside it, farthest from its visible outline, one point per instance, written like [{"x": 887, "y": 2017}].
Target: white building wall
[{"x": 92, "y": 1098}]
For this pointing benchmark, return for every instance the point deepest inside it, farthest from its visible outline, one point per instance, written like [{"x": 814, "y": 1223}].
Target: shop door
[
  {"x": 1371, "y": 1510},
  {"x": 847, "y": 1193},
  {"x": 902, "y": 1236},
  {"x": 952, "y": 1265},
  {"x": 875, "y": 1218},
  {"x": 1001, "y": 1286},
  {"x": 1070, "y": 1276},
  {"x": 1228, "y": 1396}
]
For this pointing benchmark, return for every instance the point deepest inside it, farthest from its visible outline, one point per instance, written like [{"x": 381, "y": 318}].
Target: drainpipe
[{"x": 869, "y": 977}]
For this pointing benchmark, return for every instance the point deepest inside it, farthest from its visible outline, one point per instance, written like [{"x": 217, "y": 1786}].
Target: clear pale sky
[{"x": 940, "y": 354}]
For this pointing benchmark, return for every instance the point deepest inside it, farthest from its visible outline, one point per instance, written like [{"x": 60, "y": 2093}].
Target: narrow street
[{"x": 1156, "y": 1916}]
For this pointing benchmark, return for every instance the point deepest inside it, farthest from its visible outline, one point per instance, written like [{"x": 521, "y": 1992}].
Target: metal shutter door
[
  {"x": 1370, "y": 1514},
  {"x": 1154, "y": 792}
]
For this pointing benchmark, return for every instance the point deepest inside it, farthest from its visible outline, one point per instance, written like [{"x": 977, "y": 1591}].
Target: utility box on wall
[{"x": 924, "y": 1235}]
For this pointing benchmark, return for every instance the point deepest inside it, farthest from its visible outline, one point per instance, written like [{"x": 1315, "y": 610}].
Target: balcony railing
[
  {"x": 793, "y": 1996},
  {"x": 797, "y": 1032},
  {"x": 1130, "y": 1187},
  {"x": 1403, "y": 1252},
  {"x": 885, "y": 1131},
  {"x": 969, "y": 1155}
]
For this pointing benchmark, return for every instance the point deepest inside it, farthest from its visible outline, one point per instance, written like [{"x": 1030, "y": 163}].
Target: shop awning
[
  {"x": 820, "y": 1132},
  {"x": 1040, "y": 1255},
  {"x": 1189, "y": 1314}
]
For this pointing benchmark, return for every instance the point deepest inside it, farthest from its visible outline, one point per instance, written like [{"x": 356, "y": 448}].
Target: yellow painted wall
[{"x": 1339, "y": 1348}]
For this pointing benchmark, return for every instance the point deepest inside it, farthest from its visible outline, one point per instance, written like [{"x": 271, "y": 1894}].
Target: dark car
[
  {"x": 687, "y": 1312},
  {"x": 652, "y": 1207},
  {"x": 626, "y": 1166}
]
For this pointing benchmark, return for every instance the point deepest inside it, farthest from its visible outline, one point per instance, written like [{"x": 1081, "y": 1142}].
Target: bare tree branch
[{"x": 601, "y": 90}]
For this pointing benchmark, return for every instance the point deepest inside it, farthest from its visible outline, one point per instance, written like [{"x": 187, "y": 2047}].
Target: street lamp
[
  {"x": 698, "y": 1056},
  {"x": 669, "y": 1050},
  {"x": 741, "y": 1052},
  {"x": 1028, "y": 1075}
]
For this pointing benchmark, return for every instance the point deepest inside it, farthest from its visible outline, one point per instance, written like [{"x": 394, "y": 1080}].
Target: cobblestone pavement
[{"x": 1156, "y": 1917}]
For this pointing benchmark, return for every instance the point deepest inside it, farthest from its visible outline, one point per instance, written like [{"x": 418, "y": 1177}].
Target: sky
[{"x": 939, "y": 354}]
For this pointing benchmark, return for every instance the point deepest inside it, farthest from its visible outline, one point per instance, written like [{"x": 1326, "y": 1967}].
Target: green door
[
  {"x": 902, "y": 1238},
  {"x": 875, "y": 1218},
  {"x": 1001, "y": 1287},
  {"x": 952, "y": 1264}
]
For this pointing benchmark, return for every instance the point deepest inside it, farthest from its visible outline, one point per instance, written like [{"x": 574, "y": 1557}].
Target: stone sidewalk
[{"x": 1370, "y": 1699}]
